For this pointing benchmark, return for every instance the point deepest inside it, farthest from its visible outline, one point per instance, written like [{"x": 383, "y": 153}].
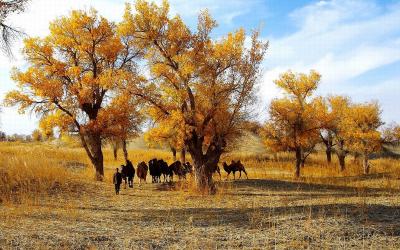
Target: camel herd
[{"x": 158, "y": 168}]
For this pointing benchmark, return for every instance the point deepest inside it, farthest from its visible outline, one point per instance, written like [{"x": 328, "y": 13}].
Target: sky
[{"x": 354, "y": 44}]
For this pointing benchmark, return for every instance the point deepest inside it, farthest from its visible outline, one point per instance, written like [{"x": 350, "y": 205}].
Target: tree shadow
[
  {"x": 165, "y": 186},
  {"x": 383, "y": 219},
  {"x": 363, "y": 177},
  {"x": 290, "y": 186}
]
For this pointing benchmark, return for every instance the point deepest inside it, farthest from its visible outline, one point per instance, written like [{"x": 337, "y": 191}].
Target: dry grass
[
  {"x": 385, "y": 172},
  {"x": 30, "y": 171},
  {"x": 49, "y": 201}
]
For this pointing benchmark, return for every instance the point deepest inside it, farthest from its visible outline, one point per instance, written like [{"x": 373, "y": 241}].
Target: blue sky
[{"x": 354, "y": 44}]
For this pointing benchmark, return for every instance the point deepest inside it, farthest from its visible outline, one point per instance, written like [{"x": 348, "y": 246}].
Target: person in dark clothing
[{"x": 117, "y": 180}]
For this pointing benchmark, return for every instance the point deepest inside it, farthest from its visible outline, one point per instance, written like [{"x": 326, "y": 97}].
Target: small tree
[
  {"x": 363, "y": 135},
  {"x": 46, "y": 128},
  {"x": 76, "y": 75},
  {"x": 3, "y": 136},
  {"x": 37, "y": 135},
  {"x": 170, "y": 134},
  {"x": 128, "y": 125},
  {"x": 296, "y": 119},
  {"x": 116, "y": 144},
  {"x": 339, "y": 111}
]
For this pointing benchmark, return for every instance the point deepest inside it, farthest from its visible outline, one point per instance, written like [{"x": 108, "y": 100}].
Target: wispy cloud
[
  {"x": 225, "y": 12},
  {"x": 342, "y": 39}
]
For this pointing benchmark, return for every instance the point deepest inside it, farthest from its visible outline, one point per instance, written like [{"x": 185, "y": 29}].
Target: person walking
[{"x": 117, "y": 180}]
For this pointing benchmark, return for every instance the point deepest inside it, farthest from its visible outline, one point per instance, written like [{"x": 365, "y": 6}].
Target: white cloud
[
  {"x": 329, "y": 13},
  {"x": 337, "y": 69},
  {"x": 342, "y": 39},
  {"x": 220, "y": 9},
  {"x": 386, "y": 93}
]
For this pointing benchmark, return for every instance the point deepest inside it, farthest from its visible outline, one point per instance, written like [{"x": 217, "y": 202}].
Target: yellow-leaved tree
[
  {"x": 206, "y": 85},
  {"x": 128, "y": 121},
  {"x": 47, "y": 128},
  {"x": 296, "y": 119},
  {"x": 339, "y": 110},
  {"x": 37, "y": 135},
  {"x": 361, "y": 130},
  {"x": 168, "y": 133},
  {"x": 77, "y": 76}
]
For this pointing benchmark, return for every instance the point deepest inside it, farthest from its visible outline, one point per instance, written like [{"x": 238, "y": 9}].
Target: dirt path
[{"x": 248, "y": 214}]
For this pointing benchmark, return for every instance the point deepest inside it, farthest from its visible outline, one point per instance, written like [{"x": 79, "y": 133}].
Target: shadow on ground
[
  {"x": 282, "y": 185},
  {"x": 385, "y": 219}
]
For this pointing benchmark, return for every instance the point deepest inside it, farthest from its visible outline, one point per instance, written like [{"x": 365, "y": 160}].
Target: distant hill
[
  {"x": 137, "y": 143},
  {"x": 249, "y": 143}
]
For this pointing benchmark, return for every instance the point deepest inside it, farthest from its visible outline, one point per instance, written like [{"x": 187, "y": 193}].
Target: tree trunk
[
  {"x": 173, "y": 150},
  {"x": 124, "y": 148},
  {"x": 204, "y": 162},
  {"x": 183, "y": 155},
  {"x": 365, "y": 163},
  {"x": 95, "y": 154},
  {"x": 275, "y": 155},
  {"x": 341, "y": 156},
  {"x": 355, "y": 159},
  {"x": 204, "y": 181},
  {"x": 203, "y": 172},
  {"x": 115, "y": 150},
  {"x": 328, "y": 144},
  {"x": 328, "y": 152},
  {"x": 298, "y": 162}
]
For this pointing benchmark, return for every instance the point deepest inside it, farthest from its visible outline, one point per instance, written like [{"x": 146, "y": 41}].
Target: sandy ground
[{"x": 246, "y": 214}]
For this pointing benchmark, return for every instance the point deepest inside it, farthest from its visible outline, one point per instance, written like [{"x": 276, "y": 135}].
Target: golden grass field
[{"x": 49, "y": 200}]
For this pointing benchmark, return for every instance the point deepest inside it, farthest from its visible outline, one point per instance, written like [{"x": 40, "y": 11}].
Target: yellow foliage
[
  {"x": 77, "y": 78},
  {"x": 71, "y": 71},
  {"x": 300, "y": 86},
  {"x": 295, "y": 120},
  {"x": 203, "y": 87},
  {"x": 362, "y": 128},
  {"x": 170, "y": 133},
  {"x": 36, "y": 135}
]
